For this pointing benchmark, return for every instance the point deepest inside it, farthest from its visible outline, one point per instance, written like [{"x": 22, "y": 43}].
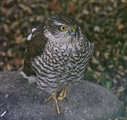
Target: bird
[{"x": 56, "y": 55}]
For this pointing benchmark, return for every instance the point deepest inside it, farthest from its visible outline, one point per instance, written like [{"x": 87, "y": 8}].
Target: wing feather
[{"x": 35, "y": 47}]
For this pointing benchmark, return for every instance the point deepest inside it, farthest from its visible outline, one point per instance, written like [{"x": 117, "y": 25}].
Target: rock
[{"x": 85, "y": 101}]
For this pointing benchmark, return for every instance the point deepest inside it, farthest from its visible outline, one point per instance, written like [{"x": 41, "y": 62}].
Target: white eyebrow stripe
[{"x": 57, "y": 23}]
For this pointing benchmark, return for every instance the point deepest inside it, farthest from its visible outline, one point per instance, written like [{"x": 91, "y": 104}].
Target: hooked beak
[{"x": 73, "y": 32}]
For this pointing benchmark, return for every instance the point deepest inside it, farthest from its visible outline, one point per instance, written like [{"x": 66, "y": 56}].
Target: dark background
[{"x": 104, "y": 22}]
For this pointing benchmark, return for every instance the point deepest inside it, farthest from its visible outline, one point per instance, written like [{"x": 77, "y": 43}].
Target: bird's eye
[{"x": 63, "y": 28}]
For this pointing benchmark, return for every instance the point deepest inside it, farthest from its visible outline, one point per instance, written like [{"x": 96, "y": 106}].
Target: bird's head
[{"x": 62, "y": 28}]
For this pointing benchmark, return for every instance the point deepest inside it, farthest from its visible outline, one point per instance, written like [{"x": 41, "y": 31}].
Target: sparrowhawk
[{"x": 56, "y": 55}]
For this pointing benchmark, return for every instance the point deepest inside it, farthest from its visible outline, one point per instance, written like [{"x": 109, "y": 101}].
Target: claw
[
  {"x": 61, "y": 96},
  {"x": 54, "y": 96}
]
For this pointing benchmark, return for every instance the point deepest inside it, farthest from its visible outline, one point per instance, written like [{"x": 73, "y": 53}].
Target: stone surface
[{"x": 85, "y": 101}]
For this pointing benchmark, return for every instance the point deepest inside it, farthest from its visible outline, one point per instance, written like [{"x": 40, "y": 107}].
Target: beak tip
[{"x": 73, "y": 33}]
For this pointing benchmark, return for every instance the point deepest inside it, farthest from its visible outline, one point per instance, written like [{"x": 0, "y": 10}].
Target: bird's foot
[
  {"x": 57, "y": 97},
  {"x": 62, "y": 94},
  {"x": 54, "y": 96}
]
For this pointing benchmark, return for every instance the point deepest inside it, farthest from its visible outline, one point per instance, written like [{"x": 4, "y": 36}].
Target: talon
[
  {"x": 62, "y": 95},
  {"x": 53, "y": 96}
]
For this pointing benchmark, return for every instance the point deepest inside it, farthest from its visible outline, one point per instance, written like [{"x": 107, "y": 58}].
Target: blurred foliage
[{"x": 104, "y": 22}]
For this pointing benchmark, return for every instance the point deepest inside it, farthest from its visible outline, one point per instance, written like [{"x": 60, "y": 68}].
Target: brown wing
[{"x": 35, "y": 47}]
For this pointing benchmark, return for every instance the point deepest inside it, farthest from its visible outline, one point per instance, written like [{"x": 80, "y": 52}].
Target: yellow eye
[{"x": 63, "y": 28}]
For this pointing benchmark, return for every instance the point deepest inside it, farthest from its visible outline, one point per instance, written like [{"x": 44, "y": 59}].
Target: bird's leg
[
  {"x": 62, "y": 94},
  {"x": 57, "y": 97},
  {"x": 54, "y": 96}
]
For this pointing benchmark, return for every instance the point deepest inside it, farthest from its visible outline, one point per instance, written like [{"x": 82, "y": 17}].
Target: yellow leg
[
  {"x": 53, "y": 96},
  {"x": 62, "y": 94}
]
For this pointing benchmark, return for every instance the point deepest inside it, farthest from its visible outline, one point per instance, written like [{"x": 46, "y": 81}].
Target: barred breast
[{"x": 61, "y": 64}]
